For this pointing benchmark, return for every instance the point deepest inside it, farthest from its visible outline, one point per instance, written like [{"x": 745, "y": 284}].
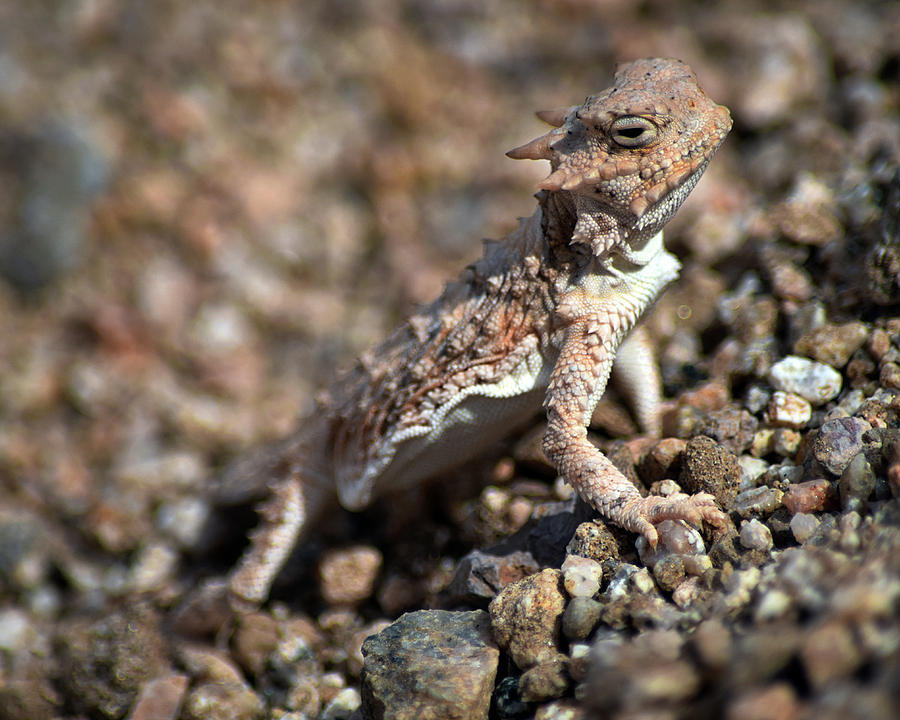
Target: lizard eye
[{"x": 632, "y": 131}]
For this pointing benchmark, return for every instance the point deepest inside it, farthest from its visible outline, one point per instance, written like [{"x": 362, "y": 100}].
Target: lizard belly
[{"x": 459, "y": 430}]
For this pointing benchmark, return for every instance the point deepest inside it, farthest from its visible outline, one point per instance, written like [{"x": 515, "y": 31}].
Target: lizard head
[{"x": 631, "y": 154}]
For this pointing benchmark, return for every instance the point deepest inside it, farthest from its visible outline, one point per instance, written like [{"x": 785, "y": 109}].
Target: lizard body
[{"x": 539, "y": 319}]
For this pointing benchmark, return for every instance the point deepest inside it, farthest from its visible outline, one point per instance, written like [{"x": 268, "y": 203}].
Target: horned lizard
[{"x": 543, "y": 318}]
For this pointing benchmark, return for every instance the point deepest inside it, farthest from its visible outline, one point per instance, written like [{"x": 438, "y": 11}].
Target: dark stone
[{"x": 481, "y": 575}]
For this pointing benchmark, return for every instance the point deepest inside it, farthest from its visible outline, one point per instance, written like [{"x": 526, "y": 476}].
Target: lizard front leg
[{"x": 576, "y": 384}]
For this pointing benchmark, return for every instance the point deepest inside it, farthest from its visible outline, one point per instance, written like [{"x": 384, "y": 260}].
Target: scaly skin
[{"x": 538, "y": 319}]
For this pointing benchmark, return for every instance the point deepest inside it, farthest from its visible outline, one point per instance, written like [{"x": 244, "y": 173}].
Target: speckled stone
[
  {"x": 546, "y": 680},
  {"x": 594, "y": 540},
  {"x": 669, "y": 572},
  {"x": 128, "y": 643},
  {"x": 838, "y": 441},
  {"x": 709, "y": 467},
  {"x": 525, "y": 617},
  {"x": 430, "y": 663}
]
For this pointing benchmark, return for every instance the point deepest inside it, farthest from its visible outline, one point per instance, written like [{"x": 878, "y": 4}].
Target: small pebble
[
  {"x": 755, "y": 535},
  {"x": 809, "y": 496},
  {"x": 757, "y": 398},
  {"x": 348, "y": 575},
  {"x": 856, "y": 484},
  {"x": 774, "y": 702},
  {"x": 833, "y": 344},
  {"x": 788, "y": 410},
  {"x": 669, "y": 572},
  {"x": 838, "y": 441},
  {"x": 579, "y": 660},
  {"x": 16, "y": 630},
  {"x": 342, "y": 706},
  {"x": 803, "y": 525},
  {"x": 155, "y": 565},
  {"x": 752, "y": 468},
  {"x": 815, "y": 382},
  {"x": 757, "y": 501},
  {"x": 581, "y": 617},
  {"x": 687, "y": 592},
  {"x": 184, "y": 520},
  {"x": 772, "y": 605},
  {"x": 642, "y": 582},
  {"x": 763, "y": 442},
  {"x": 787, "y": 442},
  {"x": 829, "y": 652},
  {"x": 581, "y": 576},
  {"x": 560, "y": 710},
  {"x": 545, "y": 680}
]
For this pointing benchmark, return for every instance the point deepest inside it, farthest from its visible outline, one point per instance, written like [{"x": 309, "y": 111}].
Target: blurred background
[{"x": 205, "y": 206}]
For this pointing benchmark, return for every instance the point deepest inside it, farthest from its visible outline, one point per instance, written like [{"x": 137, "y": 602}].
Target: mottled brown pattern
[{"x": 537, "y": 320}]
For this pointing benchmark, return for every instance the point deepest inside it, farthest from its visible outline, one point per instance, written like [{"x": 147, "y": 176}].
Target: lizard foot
[{"x": 644, "y": 514}]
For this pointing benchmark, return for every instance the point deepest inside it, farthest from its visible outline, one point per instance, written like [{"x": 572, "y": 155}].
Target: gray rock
[
  {"x": 731, "y": 427},
  {"x": 581, "y": 617},
  {"x": 755, "y": 536},
  {"x": 430, "y": 663},
  {"x": 481, "y": 575},
  {"x": 57, "y": 169},
  {"x": 757, "y": 501},
  {"x": 856, "y": 484},
  {"x": 127, "y": 645},
  {"x": 838, "y": 442}
]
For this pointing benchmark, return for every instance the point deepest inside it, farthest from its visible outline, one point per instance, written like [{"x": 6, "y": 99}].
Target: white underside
[{"x": 475, "y": 418}]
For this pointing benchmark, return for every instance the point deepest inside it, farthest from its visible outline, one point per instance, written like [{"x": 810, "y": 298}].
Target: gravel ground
[{"x": 206, "y": 206}]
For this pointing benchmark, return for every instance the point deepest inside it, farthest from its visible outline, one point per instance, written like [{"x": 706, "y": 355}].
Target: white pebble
[
  {"x": 581, "y": 576},
  {"x": 789, "y": 410},
  {"x": 755, "y": 535},
  {"x": 814, "y": 381},
  {"x": 803, "y": 525}
]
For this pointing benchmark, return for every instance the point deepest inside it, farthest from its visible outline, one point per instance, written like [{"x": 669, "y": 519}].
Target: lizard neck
[{"x": 578, "y": 219}]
